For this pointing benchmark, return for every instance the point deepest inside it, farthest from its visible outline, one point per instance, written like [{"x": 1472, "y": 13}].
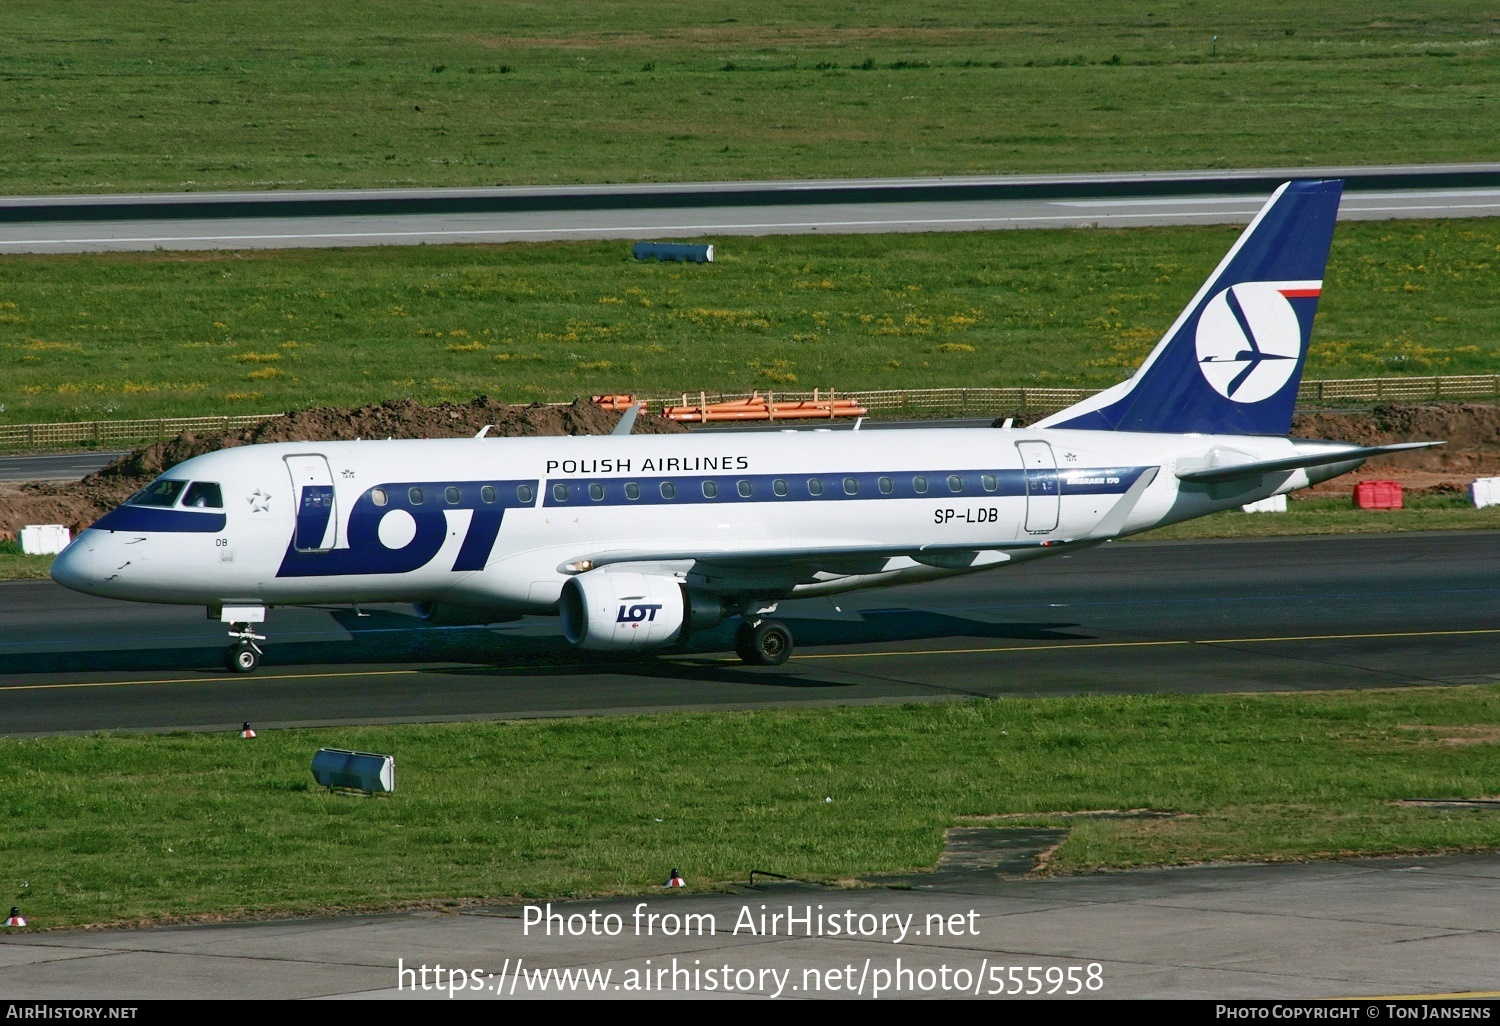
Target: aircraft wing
[
  {"x": 755, "y": 556},
  {"x": 1318, "y": 459}
]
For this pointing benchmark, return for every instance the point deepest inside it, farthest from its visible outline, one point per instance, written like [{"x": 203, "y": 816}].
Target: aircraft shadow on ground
[{"x": 386, "y": 636}]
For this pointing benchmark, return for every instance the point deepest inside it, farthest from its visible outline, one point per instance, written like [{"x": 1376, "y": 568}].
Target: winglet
[
  {"x": 627, "y": 420},
  {"x": 1114, "y": 521}
]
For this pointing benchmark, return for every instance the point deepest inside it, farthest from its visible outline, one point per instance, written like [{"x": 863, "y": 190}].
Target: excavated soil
[
  {"x": 79, "y": 503},
  {"x": 1471, "y": 430}
]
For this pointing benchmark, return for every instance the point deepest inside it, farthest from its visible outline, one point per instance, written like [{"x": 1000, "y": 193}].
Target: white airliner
[{"x": 638, "y": 540}]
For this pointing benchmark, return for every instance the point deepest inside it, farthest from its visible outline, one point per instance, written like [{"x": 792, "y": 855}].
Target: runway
[
  {"x": 58, "y": 467},
  {"x": 1355, "y": 611},
  {"x": 411, "y": 217}
]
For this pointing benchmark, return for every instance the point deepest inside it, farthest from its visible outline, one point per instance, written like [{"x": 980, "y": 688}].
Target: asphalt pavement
[{"x": 1353, "y": 611}]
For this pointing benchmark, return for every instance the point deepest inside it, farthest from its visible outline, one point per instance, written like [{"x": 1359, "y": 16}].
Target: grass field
[
  {"x": 122, "y": 95},
  {"x": 121, "y": 828},
  {"x": 170, "y": 334}
]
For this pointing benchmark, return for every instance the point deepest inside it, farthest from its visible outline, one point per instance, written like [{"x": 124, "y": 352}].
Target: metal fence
[
  {"x": 1467, "y": 386},
  {"x": 895, "y": 402},
  {"x": 960, "y": 401},
  {"x": 133, "y": 431}
]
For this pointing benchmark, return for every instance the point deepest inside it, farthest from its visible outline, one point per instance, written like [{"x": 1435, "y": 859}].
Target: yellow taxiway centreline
[
  {"x": 201, "y": 680},
  {"x": 1147, "y": 644},
  {"x": 995, "y": 649}
]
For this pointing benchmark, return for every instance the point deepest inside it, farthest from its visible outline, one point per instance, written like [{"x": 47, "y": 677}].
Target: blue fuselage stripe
[{"x": 935, "y": 484}]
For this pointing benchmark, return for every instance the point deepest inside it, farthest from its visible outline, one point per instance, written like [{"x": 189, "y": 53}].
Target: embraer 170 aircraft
[{"x": 636, "y": 541}]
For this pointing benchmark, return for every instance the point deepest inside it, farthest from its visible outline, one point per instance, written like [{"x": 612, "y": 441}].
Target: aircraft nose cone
[{"x": 74, "y": 566}]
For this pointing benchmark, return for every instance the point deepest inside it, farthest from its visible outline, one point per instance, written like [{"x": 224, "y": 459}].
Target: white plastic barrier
[
  {"x": 354, "y": 771},
  {"x": 44, "y": 539},
  {"x": 1485, "y": 491},
  {"x": 1275, "y": 504}
]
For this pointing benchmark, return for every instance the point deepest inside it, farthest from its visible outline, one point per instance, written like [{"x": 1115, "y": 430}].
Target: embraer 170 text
[{"x": 636, "y": 541}]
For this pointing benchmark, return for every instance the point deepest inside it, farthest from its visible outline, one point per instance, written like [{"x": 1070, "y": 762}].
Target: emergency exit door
[{"x": 317, "y": 522}]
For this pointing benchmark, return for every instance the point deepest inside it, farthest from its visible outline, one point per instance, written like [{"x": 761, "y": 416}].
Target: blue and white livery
[{"x": 636, "y": 541}]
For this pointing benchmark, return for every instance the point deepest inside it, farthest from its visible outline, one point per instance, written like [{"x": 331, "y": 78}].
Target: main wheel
[
  {"x": 763, "y": 642},
  {"x": 241, "y": 658}
]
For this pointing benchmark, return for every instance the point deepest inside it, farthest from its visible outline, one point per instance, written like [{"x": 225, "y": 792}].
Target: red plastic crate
[{"x": 1378, "y": 495}]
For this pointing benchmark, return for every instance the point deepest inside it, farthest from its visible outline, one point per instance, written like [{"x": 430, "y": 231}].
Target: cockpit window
[
  {"x": 160, "y": 492},
  {"x": 203, "y": 495}
]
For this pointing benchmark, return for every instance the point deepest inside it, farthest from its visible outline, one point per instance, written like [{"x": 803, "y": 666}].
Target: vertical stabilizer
[{"x": 1232, "y": 361}]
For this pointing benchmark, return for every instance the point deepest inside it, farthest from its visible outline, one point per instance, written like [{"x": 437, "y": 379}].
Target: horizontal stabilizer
[{"x": 1317, "y": 459}]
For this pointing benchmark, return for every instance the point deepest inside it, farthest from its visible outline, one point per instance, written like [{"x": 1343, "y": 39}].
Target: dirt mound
[
  {"x": 402, "y": 418},
  {"x": 1472, "y": 431},
  {"x": 78, "y": 504}
]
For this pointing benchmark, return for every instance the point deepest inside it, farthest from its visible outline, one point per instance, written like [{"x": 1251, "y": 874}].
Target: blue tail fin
[{"x": 1232, "y": 361}]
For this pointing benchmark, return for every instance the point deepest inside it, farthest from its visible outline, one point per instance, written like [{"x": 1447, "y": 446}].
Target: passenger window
[
  {"x": 379, "y": 497},
  {"x": 158, "y": 493},
  {"x": 487, "y": 493},
  {"x": 778, "y": 486},
  {"x": 525, "y": 495},
  {"x": 710, "y": 489},
  {"x": 596, "y": 491},
  {"x": 451, "y": 495},
  {"x": 851, "y": 486},
  {"x": 632, "y": 491},
  {"x": 919, "y": 485},
  {"x": 955, "y": 483},
  {"x": 886, "y": 487},
  {"x": 668, "y": 490},
  {"x": 987, "y": 481},
  {"x": 203, "y": 495},
  {"x": 815, "y": 486},
  {"x": 560, "y": 492},
  {"x": 415, "y": 495},
  {"x": 746, "y": 489}
]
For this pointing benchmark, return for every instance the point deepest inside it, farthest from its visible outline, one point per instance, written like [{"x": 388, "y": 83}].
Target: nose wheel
[
  {"x": 244, "y": 655},
  {"x": 763, "y": 642}
]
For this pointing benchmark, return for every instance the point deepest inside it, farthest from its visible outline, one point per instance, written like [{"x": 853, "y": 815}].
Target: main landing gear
[
  {"x": 244, "y": 655},
  {"x": 762, "y": 642}
]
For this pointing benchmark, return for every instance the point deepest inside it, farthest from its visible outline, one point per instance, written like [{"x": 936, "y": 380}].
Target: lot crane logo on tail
[{"x": 1249, "y": 339}]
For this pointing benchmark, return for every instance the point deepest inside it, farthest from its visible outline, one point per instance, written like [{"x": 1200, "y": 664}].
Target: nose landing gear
[{"x": 244, "y": 655}]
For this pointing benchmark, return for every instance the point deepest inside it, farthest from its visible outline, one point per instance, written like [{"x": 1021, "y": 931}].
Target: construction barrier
[
  {"x": 1378, "y": 495},
  {"x": 758, "y": 407}
]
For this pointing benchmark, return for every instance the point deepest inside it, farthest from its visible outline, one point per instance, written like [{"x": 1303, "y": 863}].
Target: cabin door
[
  {"x": 312, "y": 486},
  {"x": 1042, "y": 499}
]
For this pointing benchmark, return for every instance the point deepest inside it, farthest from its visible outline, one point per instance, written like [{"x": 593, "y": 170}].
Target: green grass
[
  {"x": 1338, "y": 516},
  {"x": 114, "y": 95},
  {"x": 169, "y": 334},
  {"x": 119, "y": 828},
  {"x": 16, "y": 566}
]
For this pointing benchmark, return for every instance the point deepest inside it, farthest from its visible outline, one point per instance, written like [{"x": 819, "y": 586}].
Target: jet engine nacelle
[{"x": 613, "y": 611}]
